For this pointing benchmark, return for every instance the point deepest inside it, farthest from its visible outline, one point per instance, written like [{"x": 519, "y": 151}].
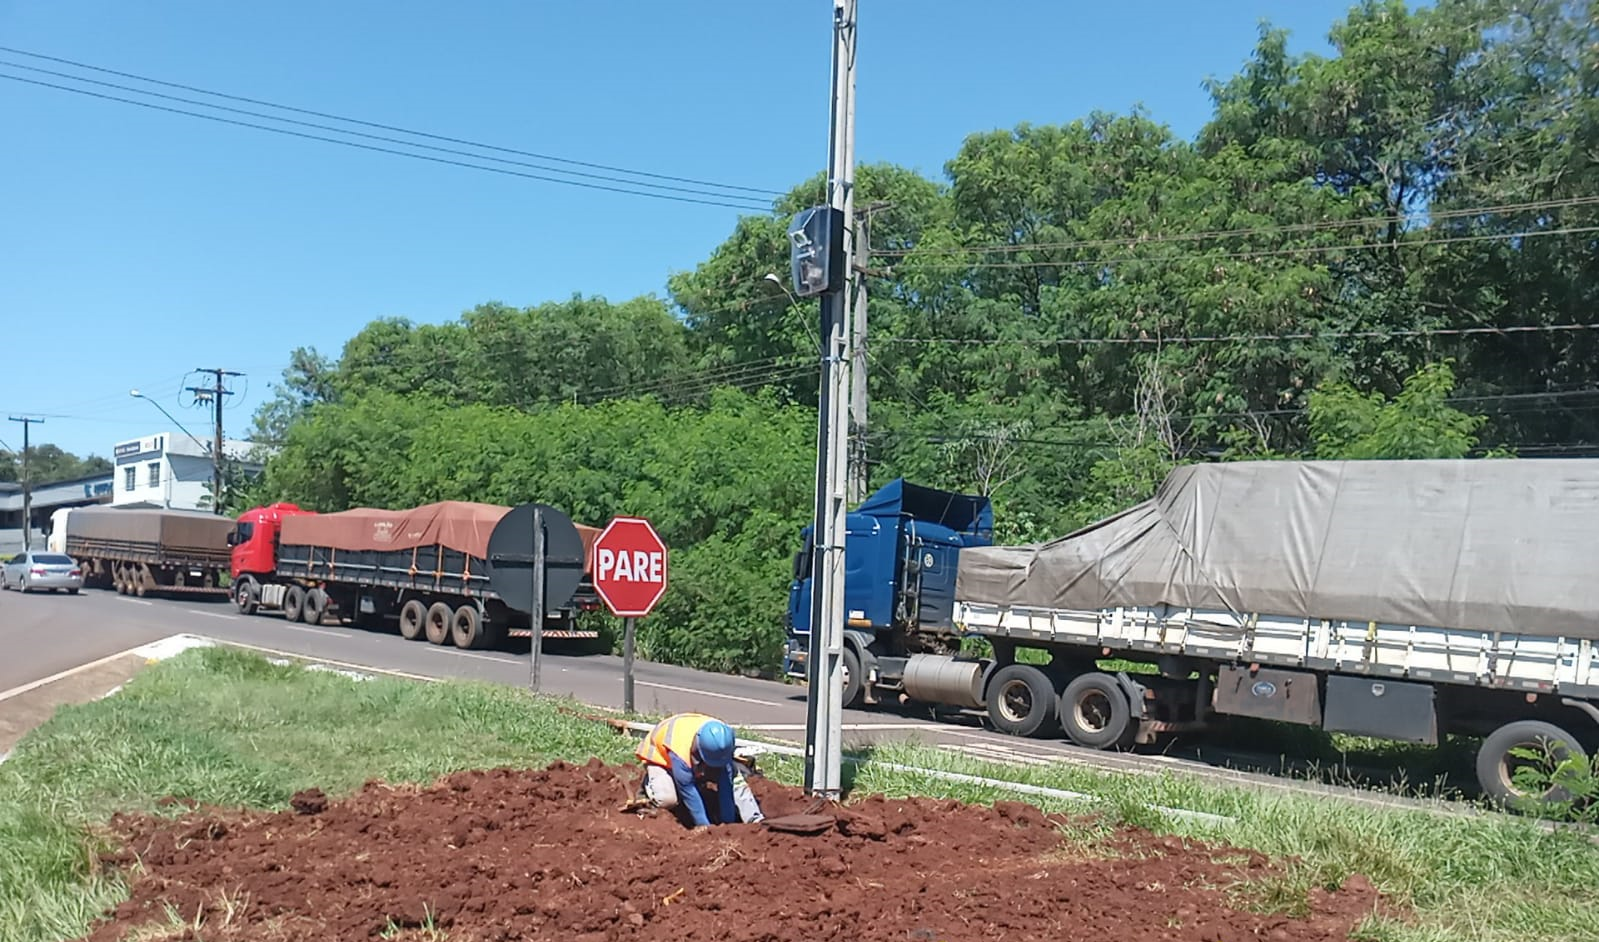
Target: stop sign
[{"x": 629, "y": 567}]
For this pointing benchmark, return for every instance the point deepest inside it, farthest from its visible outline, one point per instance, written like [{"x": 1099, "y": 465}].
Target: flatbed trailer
[
  {"x": 149, "y": 551},
  {"x": 424, "y": 570}
]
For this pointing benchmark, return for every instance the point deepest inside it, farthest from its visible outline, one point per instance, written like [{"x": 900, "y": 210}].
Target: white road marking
[
  {"x": 315, "y": 631},
  {"x": 707, "y": 693},
  {"x": 35, "y": 684},
  {"x": 195, "y": 611},
  {"x": 135, "y": 601},
  {"x": 481, "y": 657},
  {"x": 796, "y": 727}
]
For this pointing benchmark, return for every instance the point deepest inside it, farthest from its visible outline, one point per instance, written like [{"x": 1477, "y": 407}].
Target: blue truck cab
[{"x": 900, "y": 559}]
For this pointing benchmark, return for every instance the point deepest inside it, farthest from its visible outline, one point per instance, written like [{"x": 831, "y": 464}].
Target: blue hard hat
[{"x": 715, "y": 740}]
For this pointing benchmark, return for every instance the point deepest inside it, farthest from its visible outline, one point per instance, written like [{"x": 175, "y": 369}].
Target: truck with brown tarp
[
  {"x": 424, "y": 570},
  {"x": 147, "y": 551}
]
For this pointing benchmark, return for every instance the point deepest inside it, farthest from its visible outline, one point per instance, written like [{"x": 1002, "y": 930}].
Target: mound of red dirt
[{"x": 550, "y": 854}]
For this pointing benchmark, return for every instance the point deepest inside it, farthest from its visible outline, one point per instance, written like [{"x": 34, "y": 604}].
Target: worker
[{"x": 684, "y": 752}]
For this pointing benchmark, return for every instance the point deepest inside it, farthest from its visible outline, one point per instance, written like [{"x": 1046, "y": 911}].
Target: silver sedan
[{"x": 33, "y": 570}]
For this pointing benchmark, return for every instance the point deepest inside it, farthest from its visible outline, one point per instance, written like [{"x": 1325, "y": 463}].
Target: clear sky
[{"x": 137, "y": 245}]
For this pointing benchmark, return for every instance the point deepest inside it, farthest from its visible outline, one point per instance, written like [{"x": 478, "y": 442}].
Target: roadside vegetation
[
  {"x": 1387, "y": 252},
  {"x": 227, "y": 727}
]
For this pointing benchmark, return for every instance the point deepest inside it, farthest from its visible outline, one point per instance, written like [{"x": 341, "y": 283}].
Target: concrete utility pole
[
  {"x": 824, "y": 719},
  {"x": 860, "y": 264},
  {"x": 215, "y": 393},
  {"x": 27, "y": 482}
]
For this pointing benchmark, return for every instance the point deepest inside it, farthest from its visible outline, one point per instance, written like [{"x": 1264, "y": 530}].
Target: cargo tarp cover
[
  {"x": 1490, "y": 545},
  {"x": 458, "y": 525},
  {"x": 173, "y": 530}
]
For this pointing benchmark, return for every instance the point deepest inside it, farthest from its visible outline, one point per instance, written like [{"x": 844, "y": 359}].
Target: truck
[
  {"x": 901, "y": 550},
  {"x": 424, "y": 569},
  {"x": 145, "y": 551},
  {"x": 1402, "y": 600}
]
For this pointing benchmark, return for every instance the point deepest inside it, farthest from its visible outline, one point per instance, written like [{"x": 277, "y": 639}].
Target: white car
[{"x": 35, "y": 570}]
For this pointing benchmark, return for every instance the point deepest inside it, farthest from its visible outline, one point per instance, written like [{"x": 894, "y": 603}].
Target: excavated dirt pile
[{"x": 515, "y": 854}]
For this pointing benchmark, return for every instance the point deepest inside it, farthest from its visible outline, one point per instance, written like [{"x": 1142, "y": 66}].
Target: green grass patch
[
  {"x": 1486, "y": 878},
  {"x": 222, "y": 726}
]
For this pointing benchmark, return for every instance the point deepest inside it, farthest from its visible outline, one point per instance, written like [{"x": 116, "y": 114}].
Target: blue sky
[{"x": 137, "y": 245}]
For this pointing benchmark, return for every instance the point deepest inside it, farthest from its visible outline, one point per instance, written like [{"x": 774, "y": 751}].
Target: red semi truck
[{"x": 425, "y": 568}]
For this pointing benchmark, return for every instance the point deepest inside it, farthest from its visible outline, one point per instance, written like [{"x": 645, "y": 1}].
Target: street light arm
[{"x": 139, "y": 395}]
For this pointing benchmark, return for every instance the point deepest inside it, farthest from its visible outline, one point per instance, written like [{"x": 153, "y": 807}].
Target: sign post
[
  {"x": 535, "y": 565},
  {"x": 629, "y": 569}
]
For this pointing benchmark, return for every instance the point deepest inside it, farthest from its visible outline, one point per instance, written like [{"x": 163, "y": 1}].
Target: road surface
[{"x": 48, "y": 633}]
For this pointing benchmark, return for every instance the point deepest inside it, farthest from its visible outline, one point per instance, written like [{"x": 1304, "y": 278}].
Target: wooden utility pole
[
  {"x": 27, "y": 481},
  {"x": 214, "y": 393}
]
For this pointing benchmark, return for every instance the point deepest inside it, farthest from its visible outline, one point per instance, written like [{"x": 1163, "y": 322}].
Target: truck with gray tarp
[
  {"x": 1403, "y": 600},
  {"x": 147, "y": 551}
]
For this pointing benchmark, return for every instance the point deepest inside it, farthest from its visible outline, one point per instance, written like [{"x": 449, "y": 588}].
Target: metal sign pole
[
  {"x": 536, "y": 616},
  {"x": 629, "y": 630}
]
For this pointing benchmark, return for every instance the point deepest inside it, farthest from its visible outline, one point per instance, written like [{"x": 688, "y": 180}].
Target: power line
[
  {"x": 386, "y": 150},
  {"x": 385, "y": 127},
  {"x": 367, "y": 136},
  {"x": 1253, "y": 254},
  {"x": 1243, "y": 338},
  {"x": 1287, "y": 228}
]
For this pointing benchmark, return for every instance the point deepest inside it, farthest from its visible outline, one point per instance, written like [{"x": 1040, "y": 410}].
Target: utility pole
[
  {"x": 27, "y": 481},
  {"x": 824, "y": 718},
  {"x": 860, "y": 265},
  {"x": 215, "y": 392}
]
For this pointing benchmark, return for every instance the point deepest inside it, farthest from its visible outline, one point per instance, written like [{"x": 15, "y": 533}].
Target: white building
[{"x": 170, "y": 469}]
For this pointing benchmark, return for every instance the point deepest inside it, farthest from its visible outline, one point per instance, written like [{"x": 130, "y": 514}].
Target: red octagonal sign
[{"x": 629, "y": 567}]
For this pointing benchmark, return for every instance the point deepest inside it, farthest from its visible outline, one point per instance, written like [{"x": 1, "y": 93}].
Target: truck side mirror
[{"x": 233, "y": 538}]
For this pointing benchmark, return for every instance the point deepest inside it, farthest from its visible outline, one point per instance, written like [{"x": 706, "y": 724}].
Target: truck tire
[
  {"x": 1496, "y": 765},
  {"x": 466, "y": 628},
  {"x": 436, "y": 625},
  {"x": 854, "y": 678},
  {"x": 316, "y": 605},
  {"x": 1095, "y": 713},
  {"x": 1021, "y": 701},
  {"x": 247, "y": 596},
  {"x": 293, "y": 603},
  {"x": 412, "y": 616}
]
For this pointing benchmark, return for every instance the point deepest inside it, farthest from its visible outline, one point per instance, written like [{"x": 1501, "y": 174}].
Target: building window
[
  {"x": 130, "y": 478},
  {"x": 155, "y": 473}
]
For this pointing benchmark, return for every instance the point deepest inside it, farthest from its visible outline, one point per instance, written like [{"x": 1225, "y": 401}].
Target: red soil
[{"x": 515, "y": 854}]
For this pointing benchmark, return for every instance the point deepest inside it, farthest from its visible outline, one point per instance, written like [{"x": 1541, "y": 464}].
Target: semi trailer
[
  {"x": 424, "y": 569},
  {"x": 145, "y": 551},
  {"x": 1402, "y": 600}
]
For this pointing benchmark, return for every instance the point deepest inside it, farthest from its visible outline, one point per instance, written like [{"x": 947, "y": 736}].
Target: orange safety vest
[{"x": 675, "y": 734}]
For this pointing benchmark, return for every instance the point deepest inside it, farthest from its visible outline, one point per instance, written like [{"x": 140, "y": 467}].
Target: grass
[{"x": 228, "y": 727}]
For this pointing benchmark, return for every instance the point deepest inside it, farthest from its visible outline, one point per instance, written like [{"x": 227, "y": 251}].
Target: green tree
[{"x": 1417, "y": 423}]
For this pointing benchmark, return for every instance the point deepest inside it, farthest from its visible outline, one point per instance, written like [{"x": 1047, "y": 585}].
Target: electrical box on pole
[{"x": 816, "y": 251}]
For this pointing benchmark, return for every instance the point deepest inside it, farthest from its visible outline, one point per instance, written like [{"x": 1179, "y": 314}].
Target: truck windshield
[{"x": 802, "y": 562}]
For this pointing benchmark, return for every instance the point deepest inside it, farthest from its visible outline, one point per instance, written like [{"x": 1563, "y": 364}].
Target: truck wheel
[
  {"x": 466, "y": 627},
  {"x": 437, "y": 623},
  {"x": 1095, "y": 713},
  {"x": 854, "y": 678},
  {"x": 412, "y": 615},
  {"x": 293, "y": 603},
  {"x": 246, "y": 596},
  {"x": 1496, "y": 766},
  {"x": 316, "y": 605},
  {"x": 1021, "y": 701}
]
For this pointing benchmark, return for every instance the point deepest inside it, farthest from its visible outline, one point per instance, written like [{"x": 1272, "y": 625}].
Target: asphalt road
[{"x": 41, "y": 635}]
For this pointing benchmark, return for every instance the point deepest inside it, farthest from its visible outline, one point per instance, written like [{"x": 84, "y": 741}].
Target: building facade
[{"x": 170, "y": 469}]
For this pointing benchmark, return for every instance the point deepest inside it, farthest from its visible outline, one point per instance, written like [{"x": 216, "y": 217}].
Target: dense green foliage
[
  {"x": 1387, "y": 253},
  {"x": 48, "y": 463}
]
